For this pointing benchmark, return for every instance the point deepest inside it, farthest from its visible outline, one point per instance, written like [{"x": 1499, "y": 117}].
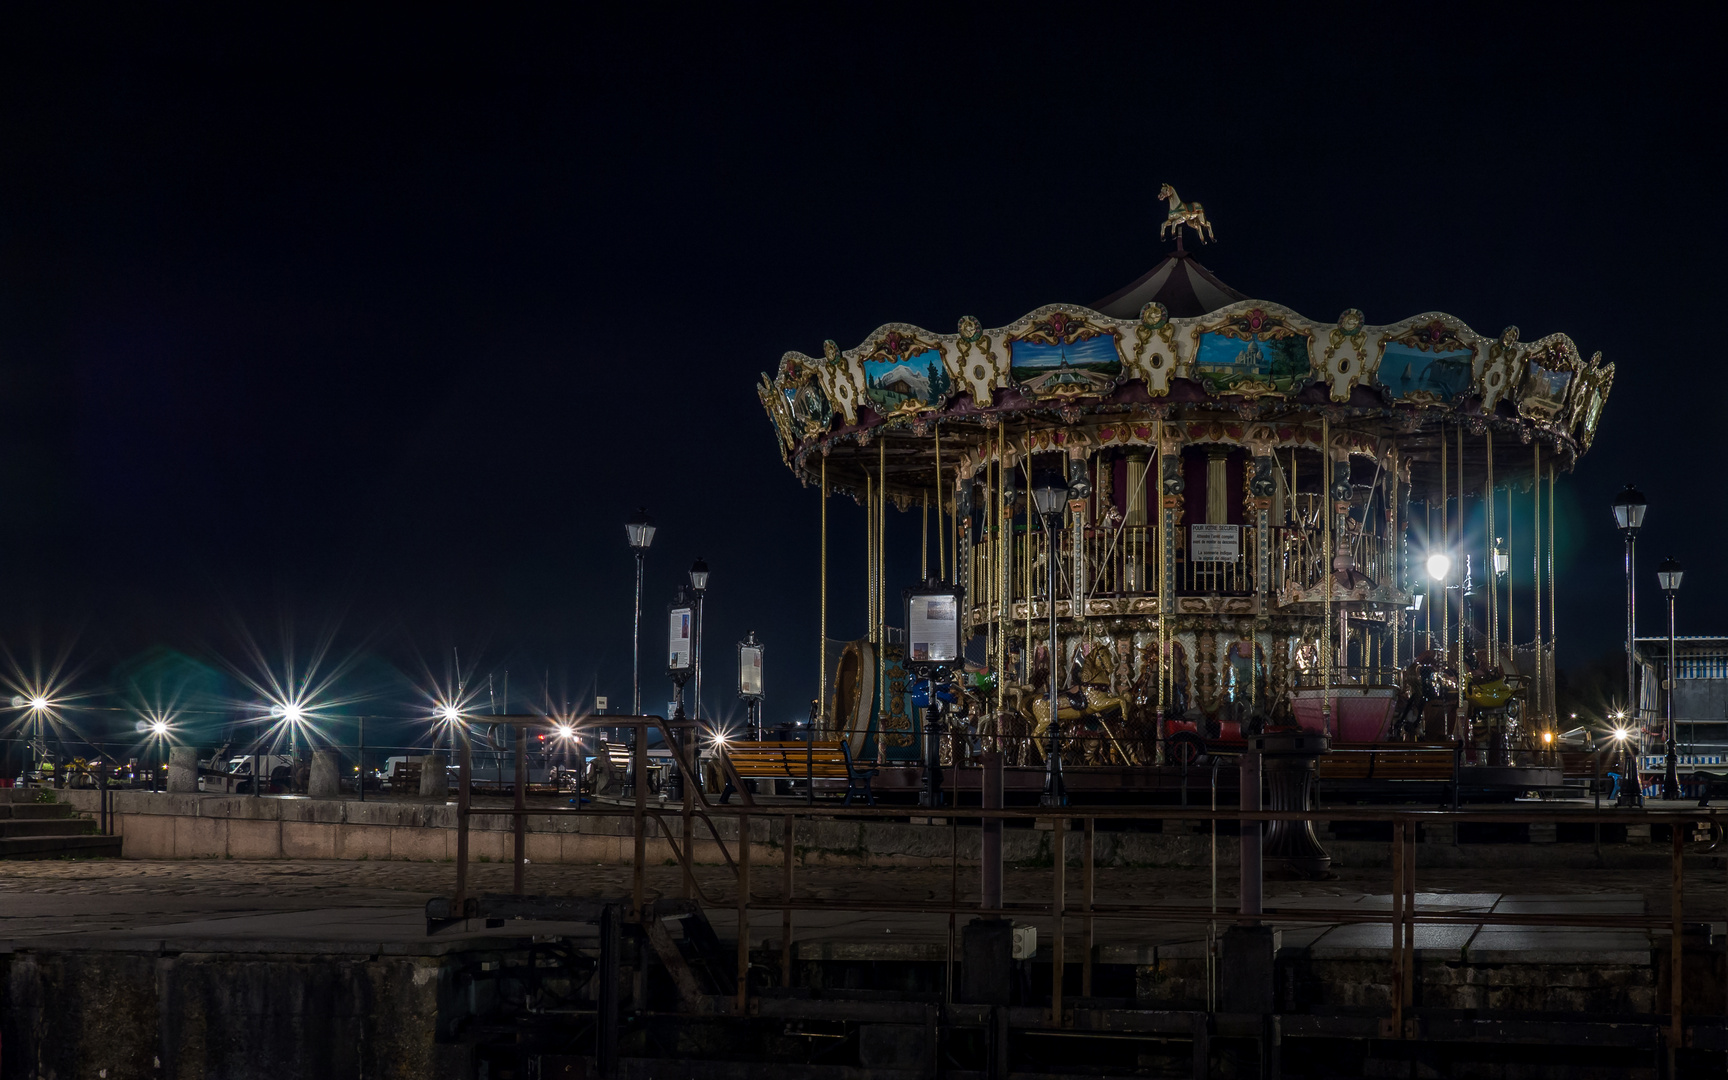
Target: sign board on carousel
[{"x": 1214, "y": 543}]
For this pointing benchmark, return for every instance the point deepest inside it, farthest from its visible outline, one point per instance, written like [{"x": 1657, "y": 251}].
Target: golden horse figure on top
[{"x": 1180, "y": 213}]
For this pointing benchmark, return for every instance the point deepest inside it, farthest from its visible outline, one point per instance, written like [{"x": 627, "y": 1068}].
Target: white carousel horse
[{"x": 1180, "y": 213}]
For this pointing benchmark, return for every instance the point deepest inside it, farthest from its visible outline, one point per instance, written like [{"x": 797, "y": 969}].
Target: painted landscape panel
[
  {"x": 1224, "y": 361},
  {"x": 1406, "y": 370},
  {"x": 921, "y": 379}
]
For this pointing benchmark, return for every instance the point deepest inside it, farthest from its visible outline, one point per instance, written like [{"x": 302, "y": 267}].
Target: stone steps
[{"x": 87, "y": 846}]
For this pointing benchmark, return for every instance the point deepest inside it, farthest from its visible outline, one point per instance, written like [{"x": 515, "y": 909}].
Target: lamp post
[
  {"x": 640, "y": 529},
  {"x": 1049, "y": 494},
  {"x": 698, "y": 585},
  {"x": 1668, "y": 576},
  {"x": 1629, "y": 507},
  {"x": 750, "y": 682}
]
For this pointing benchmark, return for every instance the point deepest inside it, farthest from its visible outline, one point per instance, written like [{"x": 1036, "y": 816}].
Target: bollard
[
  {"x": 326, "y": 781},
  {"x": 434, "y": 777},
  {"x": 183, "y": 769}
]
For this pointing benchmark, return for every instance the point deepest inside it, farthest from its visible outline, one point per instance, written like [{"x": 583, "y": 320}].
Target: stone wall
[{"x": 155, "y": 825}]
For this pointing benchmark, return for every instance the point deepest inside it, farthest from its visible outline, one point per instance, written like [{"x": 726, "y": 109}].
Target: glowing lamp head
[
  {"x": 1621, "y": 733},
  {"x": 1547, "y": 736},
  {"x": 448, "y": 713},
  {"x": 1439, "y": 566},
  {"x": 160, "y": 727},
  {"x": 565, "y": 731},
  {"x": 38, "y": 703}
]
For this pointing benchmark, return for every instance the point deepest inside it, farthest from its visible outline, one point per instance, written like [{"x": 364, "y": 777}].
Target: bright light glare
[
  {"x": 293, "y": 713},
  {"x": 1439, "y": 566},
  {"x": 1547, "y": 736},
  {"x": 565, "y": 731},
  {"x": 160, "y": 727},
  {"x": 448, "y": 712},
  {"x": 38, "y": 703},
  {"x": 1621, "y": 733}
]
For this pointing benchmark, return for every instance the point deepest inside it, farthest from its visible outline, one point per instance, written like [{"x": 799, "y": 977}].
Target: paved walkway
[{"x": 379, "y": 905}]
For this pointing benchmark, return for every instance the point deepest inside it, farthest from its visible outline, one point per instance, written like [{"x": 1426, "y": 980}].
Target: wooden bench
[
  {"x": 807, "y": 761},
  {"x": 1583, "y": 764},
  {"x": 1389, "y": 761}
]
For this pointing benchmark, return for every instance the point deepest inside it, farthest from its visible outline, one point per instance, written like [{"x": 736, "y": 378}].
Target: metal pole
[
  {"x": 696, "y": 647},
  {"x": 360, "y": 759},
  {"x": 1631, "y": 790},
  {"x": 1252, "y": 869},
  {"x": 636, "y": 644},
  {"x": 520, "y": 824},
  {"x": 1670, "y": 777},
  {"x": 1055, "y": 791}
]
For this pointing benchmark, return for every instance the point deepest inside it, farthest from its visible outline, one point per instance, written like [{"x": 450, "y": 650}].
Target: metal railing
[{"x": 1402, "y": 917}]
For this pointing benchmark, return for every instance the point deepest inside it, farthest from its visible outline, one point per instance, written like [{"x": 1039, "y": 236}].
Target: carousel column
[
  {"x": 1171, "y": 485},
  {"x": 1261, "y": 486},
  {"x": 1079, "y": 499},
  {"x": 1134, "y": 499}
]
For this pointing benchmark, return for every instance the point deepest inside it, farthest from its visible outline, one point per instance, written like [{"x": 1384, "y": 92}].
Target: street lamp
[
  {"x": 1049, "y": 498},
  {"x": 1668, "y": 576},
  {"x": 1629, "y": 507},
  {"x": 750, "y": 682},
  {"x": 699, "y": 584},
  {"x": 640, "y": 529}
]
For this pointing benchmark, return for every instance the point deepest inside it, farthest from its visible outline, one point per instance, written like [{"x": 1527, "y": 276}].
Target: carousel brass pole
[
  {"x": 1163, "y": 602},
  {"x": 1463, "y": 670},
  {"x": 1511, "y": 608},
  {"x": 882, "y": 541},
  {"x": 1326, "y": 595},
  {"x": 1004, "y": 536},
  {"x": 1554, "y": 628},
  {"x": 870, "y": 556},
  {"x": 941, "y": 550},
  {"x": 924, "y": 541},
  {"x": 1488, "y": 539},
  {"x": 1446, "y": 547},
  {"x": 822, "y": 617},
  {"x": 1536, "y": 566}
]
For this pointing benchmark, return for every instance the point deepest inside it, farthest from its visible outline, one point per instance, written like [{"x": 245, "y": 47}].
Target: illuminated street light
[
  {"x": 1668, "y": 576},
  {"x": 160, "y": 727},
  {"x": 1439, "y": 565},
  {"x": 1629, "y": 509}
]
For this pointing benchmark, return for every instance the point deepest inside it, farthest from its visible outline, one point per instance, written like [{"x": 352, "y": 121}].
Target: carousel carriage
[{"x": 1251, "y": 498}]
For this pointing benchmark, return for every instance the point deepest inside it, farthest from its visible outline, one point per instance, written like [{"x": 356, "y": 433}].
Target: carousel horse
[
  {"x": 1180, "y": 214},
  {"x": 1424, "y": 681},
  {"x": 1087, "y": 701}
]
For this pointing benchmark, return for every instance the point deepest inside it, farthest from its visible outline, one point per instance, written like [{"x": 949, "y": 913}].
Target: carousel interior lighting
[{"x": 1439, "y": 566}]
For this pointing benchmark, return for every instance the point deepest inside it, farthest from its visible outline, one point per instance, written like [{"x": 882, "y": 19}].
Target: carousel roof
[
  {"x": 1180, "y": 283},
  {"x": 1181, "y": 347}
]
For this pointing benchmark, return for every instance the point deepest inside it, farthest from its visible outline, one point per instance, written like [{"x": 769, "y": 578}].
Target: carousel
[{"x": 1180, "y": 516}]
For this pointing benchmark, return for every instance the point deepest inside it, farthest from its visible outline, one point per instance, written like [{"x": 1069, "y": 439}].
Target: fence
[{"x": 1401, "y": 919}]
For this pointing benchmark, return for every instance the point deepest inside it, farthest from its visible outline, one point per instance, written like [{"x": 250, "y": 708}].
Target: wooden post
[
  {"x": 743, "y": 913},
  {"x": 1677, "y": 1037},
  {"x": 1058, "y": 901},
  {"x": 1087, "y": 894},
  {"x": 464, "y": 797},
  {"x": 519, "y": 821},
  {"x": 786, "y": 912},
  {"x": 1397, "y": 935},
  {"x": 639, "y": 820}
]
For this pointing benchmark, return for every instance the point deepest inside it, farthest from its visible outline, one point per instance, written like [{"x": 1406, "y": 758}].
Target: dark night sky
[{"x": 386, "y": 324}]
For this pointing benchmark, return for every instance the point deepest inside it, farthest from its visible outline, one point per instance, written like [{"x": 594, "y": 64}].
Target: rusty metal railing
[{"x": 1401, "y": 918}]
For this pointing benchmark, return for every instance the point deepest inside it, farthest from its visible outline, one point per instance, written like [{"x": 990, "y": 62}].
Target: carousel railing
[
  {"x": 1121, "y": 561},
  {"x": 1354, "y": 676},
  {"x": 1298, "y": 559}
]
